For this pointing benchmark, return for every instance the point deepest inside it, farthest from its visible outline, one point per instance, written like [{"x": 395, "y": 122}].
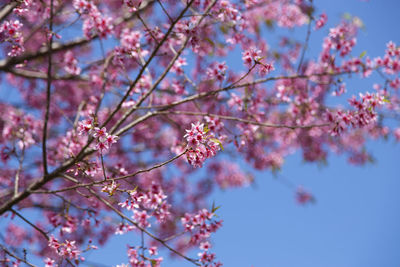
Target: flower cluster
[
  {"x": 145, "y": 205},
  {"x": 341, "y": 38},
  {"x": 253, "y": 57},
  {"x": 217, "y": 71},
  {"x": 323, "y": 18},
  {"x": 177, "y": 67},
  {"x": 103, "y": 139},
  {"x": 363, "y": 115},
  {"x": 21, "y": 128},
  {"x": 391, "y": 62},
  {"x": 214, "y": 123},
  {"x": 68, "y": 223},
  {"x": 200, "y": 144},
  {"x": 93, "y": 21},
  {"x": 23, "y": 7},
  {"x": 226, "y": 12},
  {"x": 139, "y": 259},
  {"x": 229, "y": 175},
  {"x": 66, "y": 249},
  {"x": 200, "y": 226},
  {"x": 71, "y": 64},
  {"x": 130, "y": 44},
  {"x": 10, "y": 31}
]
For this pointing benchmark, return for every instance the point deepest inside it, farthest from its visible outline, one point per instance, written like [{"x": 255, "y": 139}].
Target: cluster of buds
[
  {"x": 93, "y": 20},
  {"x": 23, "y": 7},
  {"x": 200, "y": 144},
  {"x": 138, "y": 259},
  {"x": 217, "y": 71},
  {"x": 103, "y": 139}
]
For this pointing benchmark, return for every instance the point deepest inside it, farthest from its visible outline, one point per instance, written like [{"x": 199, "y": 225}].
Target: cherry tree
[{"x": 118, "y": 108}]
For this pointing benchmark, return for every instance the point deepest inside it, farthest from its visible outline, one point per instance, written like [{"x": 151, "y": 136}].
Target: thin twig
[
  {"x": 31, "y": 224},
  {"x": 20, "y": 161},
  {"x": 263, "y": 124},
  {"x": 48, "y": 91},
  {"x": 305, "y": 47},
  {"x": 7, "y": 9},
  {"x": 16, "y": 257},
  {"x": 111, "y": 179}
]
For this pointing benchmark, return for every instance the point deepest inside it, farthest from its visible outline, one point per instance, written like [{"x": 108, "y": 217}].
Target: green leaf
[
  {"x": 133, "y": 190},
  {"x": 347, "y": 16},
  {"x": 214, "y": 208},
  {"x": 385, "y": 99},
  {"x": 224, "y": 29},
  {"x": 215, "y": 140},
  {"x": 206, "y": 129},
  {"x": 269, "y": 23},
  {"x": 363, "y": 54},
  {"x": 210, "y": 41}
]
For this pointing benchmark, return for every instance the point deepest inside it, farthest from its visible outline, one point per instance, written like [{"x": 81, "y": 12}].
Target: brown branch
[
  {"x": 159, "y": 165},
  {"x": 7, "y": 9},
  {"x": 263, "y": 124},
  {"x": 17, "y": 175},
  {"x": 303, "y": 52},
  {"x": 16, "y": 257},
  {"x": 31, "y": 224},
  {"x": 48, "y": 91},
  {"x": 30, "y": 74}
]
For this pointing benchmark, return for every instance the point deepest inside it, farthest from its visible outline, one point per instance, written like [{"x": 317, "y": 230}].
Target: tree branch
[{"x": 48, "y": 91}]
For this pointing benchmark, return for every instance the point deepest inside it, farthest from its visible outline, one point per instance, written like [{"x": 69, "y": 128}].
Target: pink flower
[
  {"x": 100, "y": 133},
  {"x": 49, "y": 263},
  {"x": 323, "y": 18},
  {"x": 102, "y": 146},
  {"x": 153, "y": 251},
  {"x": 205, "y": 246},
  {"x": 111, "y": 139}
]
